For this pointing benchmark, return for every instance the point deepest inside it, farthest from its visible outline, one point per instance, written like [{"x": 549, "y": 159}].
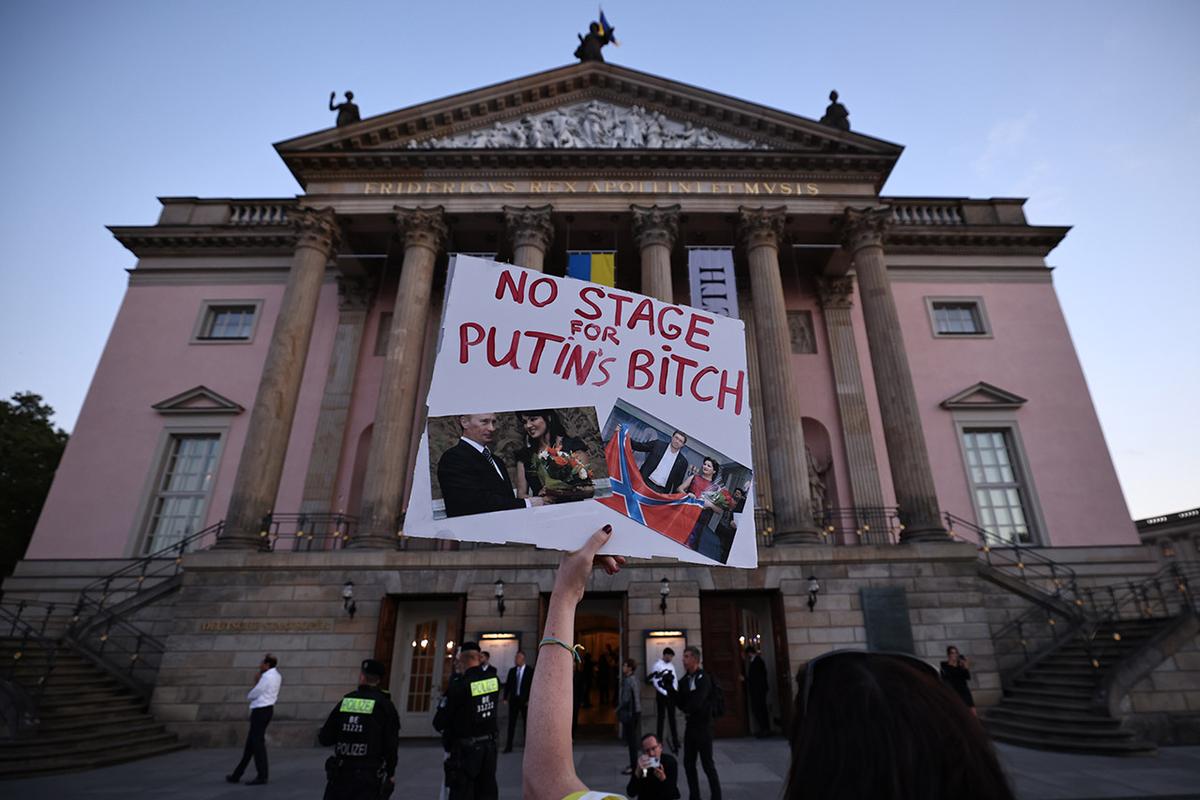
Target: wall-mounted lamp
[
  {"x": 664, "y": 591},
  {"x": 348, "y": 598},
  {"x": 500, "y": 597},
  {"x": 814, "y": 589}
]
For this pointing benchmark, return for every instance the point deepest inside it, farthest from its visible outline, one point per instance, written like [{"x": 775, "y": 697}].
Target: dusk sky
[{"x": 1089, "y": 109}]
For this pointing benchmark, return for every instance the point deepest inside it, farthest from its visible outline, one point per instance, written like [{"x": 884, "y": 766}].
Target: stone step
[
  {"x": 114, "y": 705},
  {"x": 31, "y": 745},
  {"x": 1073, "y": 706},
  {"x": 1098, "y": 721},
  {"x": 97, "y": 721},
  {"x": 1058, "y": 693},
  {"x": 56, "y": 697},
  {"x": 68, "y": 762},
  {"x": 1066, "y": 745},
  {"x": 1055, "y": 729},
  {"x": 1056, "y": 682}
]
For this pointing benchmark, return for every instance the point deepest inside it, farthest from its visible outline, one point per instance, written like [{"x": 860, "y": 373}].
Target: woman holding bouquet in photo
[
  {"x": 552, "y": 464},
  {"x": 705, "y": 486}
]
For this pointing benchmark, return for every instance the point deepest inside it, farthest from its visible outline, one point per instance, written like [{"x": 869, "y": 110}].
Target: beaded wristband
[{"x": 574, "y": 651}]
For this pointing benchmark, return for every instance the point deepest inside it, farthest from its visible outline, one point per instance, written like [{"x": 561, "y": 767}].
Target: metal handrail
[
  {"x": 25, "y": 630},
  {"x": 1033, "y": 567},
  {"x": 855, "y": 525},
  {"x": 306, "y": 532}
]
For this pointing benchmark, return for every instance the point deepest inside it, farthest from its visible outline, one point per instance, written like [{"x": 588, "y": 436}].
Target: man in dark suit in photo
[
  {"x": 516, "y": 694},
  {"x": 665, "y": 466},
  {"x": 471, "y": 479}
]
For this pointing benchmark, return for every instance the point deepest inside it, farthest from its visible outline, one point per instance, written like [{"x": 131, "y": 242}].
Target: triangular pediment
[
  {"x": 983, "y": 396},
  {"x": 199, "y": 400},
  {"x": 590, "y": 106}
]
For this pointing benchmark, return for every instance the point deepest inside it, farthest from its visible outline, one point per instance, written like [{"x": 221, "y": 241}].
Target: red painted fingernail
[{"x": 608, "y": 528}]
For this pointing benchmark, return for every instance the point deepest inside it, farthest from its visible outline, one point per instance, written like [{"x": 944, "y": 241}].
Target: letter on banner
[{"x": 713, "y": 286}]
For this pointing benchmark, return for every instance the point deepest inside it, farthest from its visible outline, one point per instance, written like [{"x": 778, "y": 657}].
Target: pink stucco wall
[
  {"x": 1031, "y": 355},
  {"x": 95, "y": 506}
]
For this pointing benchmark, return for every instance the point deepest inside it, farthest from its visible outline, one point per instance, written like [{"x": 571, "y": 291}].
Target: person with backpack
[{"x": 701, "y": 699}]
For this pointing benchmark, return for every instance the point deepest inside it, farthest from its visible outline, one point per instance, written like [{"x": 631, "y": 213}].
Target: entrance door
[
  {"x": 599, "y": 627},
  {"x": 427, "y": 635},
  {"x": 729, "y": 622}
]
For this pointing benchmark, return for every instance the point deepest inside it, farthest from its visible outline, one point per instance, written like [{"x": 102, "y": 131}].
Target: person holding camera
[
  {"x": 629, "y": 712},
  {"x": 956, "y": 674},
  {"x": 656, "y": 776}
]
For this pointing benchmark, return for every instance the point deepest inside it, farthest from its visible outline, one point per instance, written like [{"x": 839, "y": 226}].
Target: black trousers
[
  {"x": 256, "y": 743},
  {"x": 353, "y": 784},
  {"x": 666, "y": 708},
  {"x": 517, "y": 707},
  {"x": 632, "y": 734},
  {"x": 758, "y": 705},
  {"x": 471, "y": 772},
  {"x": 698, "y": 741}
]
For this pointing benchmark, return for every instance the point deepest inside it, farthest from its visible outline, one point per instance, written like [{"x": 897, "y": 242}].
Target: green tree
[{"x": 30, "y": 448}]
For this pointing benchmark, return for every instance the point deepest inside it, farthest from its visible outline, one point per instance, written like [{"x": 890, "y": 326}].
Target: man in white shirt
[
  {"x": 664, "y": 467},
  {"x": 662, "y": 701},
  {"x": 262, "y": 707}
]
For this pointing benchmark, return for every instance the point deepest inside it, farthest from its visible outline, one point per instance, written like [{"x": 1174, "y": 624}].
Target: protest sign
[{"x": 559, "y": 405}]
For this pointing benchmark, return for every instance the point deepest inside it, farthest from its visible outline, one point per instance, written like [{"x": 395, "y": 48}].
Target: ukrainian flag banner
[
  {"x": 597, "y": 267},
  {"x": 606, "y": 29}
]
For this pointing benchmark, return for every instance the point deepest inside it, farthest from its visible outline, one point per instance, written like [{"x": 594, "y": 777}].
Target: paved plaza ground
[{"x": 750, "y": 770}]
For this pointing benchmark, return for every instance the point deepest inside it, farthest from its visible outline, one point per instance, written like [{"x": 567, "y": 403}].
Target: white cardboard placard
[{"x": 513, "y": 339}]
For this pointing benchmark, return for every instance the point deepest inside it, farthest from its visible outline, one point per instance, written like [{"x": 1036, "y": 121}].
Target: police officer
[
  {"x": 471, "y": 729},
  {"x": 364, "y": 730}
]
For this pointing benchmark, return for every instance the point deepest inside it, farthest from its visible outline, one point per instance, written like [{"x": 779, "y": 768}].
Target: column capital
[
  {"x": 655, "y": 225},
  {"x": 316, "y": 228},
  {"x": 423, "y": 226},
  {"x": 863, "y": 227},
  {"x": 835, "y": 292},
  {"x": 529, "y": 226},
  {"x": 354, "y": 293},
  {"x": 761, "y": 227}
]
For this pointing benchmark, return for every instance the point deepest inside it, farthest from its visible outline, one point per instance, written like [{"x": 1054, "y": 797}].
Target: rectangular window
[
  {"x": 228, "y": 323},
  {"x": 178, "y": 508},
  {"x": 997, "y": 483},
  {"x": 957, "y": 318}
]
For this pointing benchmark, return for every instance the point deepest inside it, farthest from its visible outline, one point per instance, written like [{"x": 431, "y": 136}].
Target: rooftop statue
[
  {"x": 599, "y": 34},
  {"x": 836, "y": 115},
  {"x": 347, "y": 112}
]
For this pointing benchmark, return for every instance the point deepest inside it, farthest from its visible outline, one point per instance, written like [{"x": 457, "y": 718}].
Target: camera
[{"x": 653, "y": 763}]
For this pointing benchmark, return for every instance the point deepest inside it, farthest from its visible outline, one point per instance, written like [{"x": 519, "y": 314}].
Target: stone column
[
  {"x": 862, "y": 234},
  {"x": 261, "y": 465},
  {"x": 655, "y": 229},
  {"x": 424, "y": 231},
  {"x": 354, "y": 296},
  {"x": 760, "y": 230},
  {"x": 531, "y": 232},
  {"x": 835, "y": 297}
]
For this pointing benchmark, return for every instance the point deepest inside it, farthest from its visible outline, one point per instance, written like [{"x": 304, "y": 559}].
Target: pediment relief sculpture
[{"x": 591, "y": 125}]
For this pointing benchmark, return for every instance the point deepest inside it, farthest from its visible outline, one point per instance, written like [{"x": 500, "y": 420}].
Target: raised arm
[
  {"x": 332, "y": 107},
  {"x": 549, "y": 766}
]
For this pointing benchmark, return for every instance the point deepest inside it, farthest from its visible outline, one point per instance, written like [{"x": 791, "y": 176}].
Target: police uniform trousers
[
  {"x": 471, "y": 773},
  {"x": 698, "y": 741},
  {"x": 354, "y": 783}
]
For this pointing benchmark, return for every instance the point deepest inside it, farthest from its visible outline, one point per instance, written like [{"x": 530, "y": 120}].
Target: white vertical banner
[{"x": 710, "y": 272}]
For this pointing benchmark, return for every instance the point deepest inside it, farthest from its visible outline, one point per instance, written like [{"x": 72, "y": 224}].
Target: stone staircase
[
  {"x": 86, "y": 718},
  {"x": 1056, "y": 703}
]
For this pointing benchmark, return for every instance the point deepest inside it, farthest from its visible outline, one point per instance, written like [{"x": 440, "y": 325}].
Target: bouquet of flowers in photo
[
  {"x": 564, "y": 475},
  {"x": 719, "y": 496}
]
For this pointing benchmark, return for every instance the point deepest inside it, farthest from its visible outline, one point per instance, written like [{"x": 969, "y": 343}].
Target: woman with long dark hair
[{"x": 546, "y": 437}]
